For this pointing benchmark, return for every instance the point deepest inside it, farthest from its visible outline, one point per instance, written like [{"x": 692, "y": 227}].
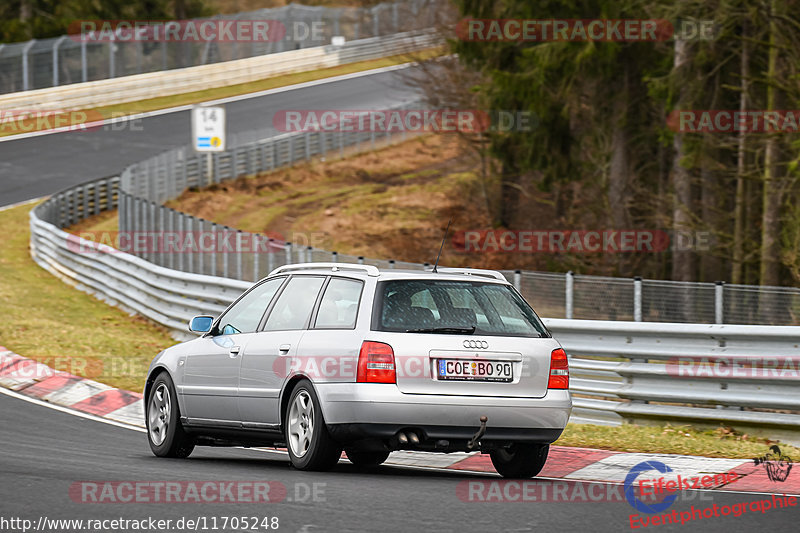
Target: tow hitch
[{"x": 473, "y": 443}]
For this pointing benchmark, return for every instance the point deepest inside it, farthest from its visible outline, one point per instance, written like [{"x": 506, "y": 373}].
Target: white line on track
[
  {"x": 229, "y": 99},
  {"x": 24, "y": 202},
  {"x": 88, "y": 416}
]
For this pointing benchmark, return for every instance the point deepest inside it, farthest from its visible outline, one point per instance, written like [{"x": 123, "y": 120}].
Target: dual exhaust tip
[
  {"x": 406, "y": 438},
  {"x": 410, "y": 437}
]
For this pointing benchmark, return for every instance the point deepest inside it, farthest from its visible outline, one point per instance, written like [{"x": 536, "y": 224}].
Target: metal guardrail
[
  {"x": 64, "y": 60},
  {"x": 683, "y": 372},
  {"x": 98, "y": 94},
  {"x": 620, "y": 370}
]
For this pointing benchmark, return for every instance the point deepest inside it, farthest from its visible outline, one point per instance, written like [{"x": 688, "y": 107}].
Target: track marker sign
[{"x": 208, "y": 129}]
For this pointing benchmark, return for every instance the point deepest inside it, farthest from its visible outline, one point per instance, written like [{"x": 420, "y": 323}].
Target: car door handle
[
  {"x": 235, "y": 351},
  {"x": 285, "y": 348}
]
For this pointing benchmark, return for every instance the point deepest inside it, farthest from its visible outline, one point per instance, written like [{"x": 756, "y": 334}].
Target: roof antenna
[{"x": 436, "y": 264}]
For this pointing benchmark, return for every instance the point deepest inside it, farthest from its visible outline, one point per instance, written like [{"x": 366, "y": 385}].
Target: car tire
[
  {"x": 520, "y": 461},
  {"x": 165, "y": 432},
  {"x": 310, "y": 445},
  {"x": 366, "y": 459}
]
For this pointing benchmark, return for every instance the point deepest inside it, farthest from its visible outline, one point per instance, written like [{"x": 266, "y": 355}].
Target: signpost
[{"x": 208, "y": 133}]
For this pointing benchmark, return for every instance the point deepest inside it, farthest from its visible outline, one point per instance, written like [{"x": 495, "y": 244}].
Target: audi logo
[{"x": 483, "y": 345}]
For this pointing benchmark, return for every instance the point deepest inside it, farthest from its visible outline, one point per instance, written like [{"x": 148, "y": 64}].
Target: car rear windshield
[{"x": 458, "y": 307}]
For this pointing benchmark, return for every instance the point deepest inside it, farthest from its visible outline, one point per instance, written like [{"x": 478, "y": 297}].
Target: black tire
[
  {"x": 520, "y": 461},
  {"x": 317, "y": 451},
  {"x": 366, "y": 459},
  {"x": 167, "y": 439}
]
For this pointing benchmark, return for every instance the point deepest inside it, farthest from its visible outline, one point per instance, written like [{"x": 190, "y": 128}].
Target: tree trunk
[
  {"x": 711, "y": 195},
  {"x": 769, "y": 272},
  {"x": 738, "y": 211},
  {"x": 682, "y": 259},
  {"x": 25, "y": 10},
  {"x": 620, "y": 163}
]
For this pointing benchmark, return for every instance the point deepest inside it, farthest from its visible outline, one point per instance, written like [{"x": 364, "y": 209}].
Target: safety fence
[
  {"x": 95, "y": 95},
  {"x": 743, "y": 376},
  {"x": 75, "y": 58},
  {"x": 143, "y": 188}
]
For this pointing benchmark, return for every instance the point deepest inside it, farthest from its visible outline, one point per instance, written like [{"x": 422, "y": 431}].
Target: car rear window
[{"x": 433, "y": 306}]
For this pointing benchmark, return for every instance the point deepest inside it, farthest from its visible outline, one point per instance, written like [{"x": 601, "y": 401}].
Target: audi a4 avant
[{"x": 322, "y": 358}]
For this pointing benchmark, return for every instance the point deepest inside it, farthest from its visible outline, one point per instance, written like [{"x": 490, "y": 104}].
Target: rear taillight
[
  {"x": 376, "y": 363},
  {"x": 559, "y": 370}
]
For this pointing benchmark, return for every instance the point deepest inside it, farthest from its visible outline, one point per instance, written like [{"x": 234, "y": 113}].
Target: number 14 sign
[{"x": 208, "y": 129}]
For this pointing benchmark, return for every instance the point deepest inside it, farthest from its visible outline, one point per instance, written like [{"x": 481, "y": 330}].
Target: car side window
[
  {"x": 339, "y": 305},
  {"x": 294, "y": 305},
  {"x": 245, "y": 316}
]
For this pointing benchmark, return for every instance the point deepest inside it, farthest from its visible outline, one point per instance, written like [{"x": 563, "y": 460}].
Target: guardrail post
[
  {"x": 288, "y": 253},
  {"x": 334, "y": 257},
  {"x": 112, "y": 55},
  {"x": 239, "y": 274},
  {"x": 172, "y": 253},
  {"x": 569, "y": 281},
  {"x": 391, "y": 263},
  {"x": 719, "y": 303},
  {"x": 25, "y": 67},
  {"x": 180, "y": 236},
  {"x": 255, "y": 257},
  {"x": 153, "y": 229},
  {"x": 225, "y": 255},
  {"x": 161, "y": 239},
  {"x": 309, "y": 255},
  {"x": 56, "y": 45},
  {"x": 518, "y": 280},
  {"x": 271, "y": 251},
  {"x": 637, "y": 299},
  {"x": 360, "y": 259},
  {"x": 190, "y": 256},
  {"x": 84, "y": 65}
]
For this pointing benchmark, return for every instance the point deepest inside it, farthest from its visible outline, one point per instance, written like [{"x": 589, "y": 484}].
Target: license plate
[{"x": 468, "y": 370}]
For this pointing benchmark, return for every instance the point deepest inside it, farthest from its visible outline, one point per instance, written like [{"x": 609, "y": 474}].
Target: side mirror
[{"x": 201, "y": 324}]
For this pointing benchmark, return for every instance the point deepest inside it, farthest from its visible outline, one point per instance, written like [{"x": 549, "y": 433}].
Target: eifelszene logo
[{"x": 630, "y": 488}]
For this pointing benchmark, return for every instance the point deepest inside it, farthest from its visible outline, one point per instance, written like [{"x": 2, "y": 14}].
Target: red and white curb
[{"x": 39, "y": 381}]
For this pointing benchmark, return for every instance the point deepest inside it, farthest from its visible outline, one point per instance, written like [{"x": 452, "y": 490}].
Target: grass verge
[
  {"x": 72, "y": 118},
  {"x": 49, "y": 321},
  {"x": 684, "y": 440}
]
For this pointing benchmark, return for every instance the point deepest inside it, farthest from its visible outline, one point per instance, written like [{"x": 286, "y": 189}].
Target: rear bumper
[
  {"x": 455, "y": 435},
  {"x": 366, "y": 410}
]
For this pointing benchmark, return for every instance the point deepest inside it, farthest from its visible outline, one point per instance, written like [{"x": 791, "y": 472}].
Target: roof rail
[
  {"x": 473, "y": 272},
  {"x": 333, "y": 267}
]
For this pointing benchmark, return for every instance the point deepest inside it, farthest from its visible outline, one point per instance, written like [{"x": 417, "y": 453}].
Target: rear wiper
[{"x": 470, "y": 329}]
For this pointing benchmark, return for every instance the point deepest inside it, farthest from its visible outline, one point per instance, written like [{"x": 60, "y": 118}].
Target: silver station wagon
[{"x": 325, "y": 357}]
